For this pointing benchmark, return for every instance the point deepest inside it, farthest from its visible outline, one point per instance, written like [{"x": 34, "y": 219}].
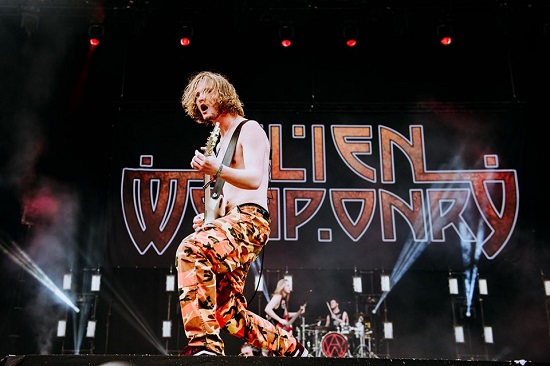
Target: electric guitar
[
  {"x": 291, "y": 320},
  {"x": 211, "y": 205}
]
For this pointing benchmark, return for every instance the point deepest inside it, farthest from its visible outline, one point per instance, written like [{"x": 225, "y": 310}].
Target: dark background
[{"x": 60, "y": 104}]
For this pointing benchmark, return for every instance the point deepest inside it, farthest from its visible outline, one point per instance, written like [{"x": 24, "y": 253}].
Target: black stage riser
[{"x": 154, "y": 360}]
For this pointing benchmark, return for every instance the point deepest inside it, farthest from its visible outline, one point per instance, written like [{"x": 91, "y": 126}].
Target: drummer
[{"x": 336, "y": 319}]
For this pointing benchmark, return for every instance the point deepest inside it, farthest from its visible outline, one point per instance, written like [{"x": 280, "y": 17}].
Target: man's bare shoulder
[{"x": 253, "y": 129}]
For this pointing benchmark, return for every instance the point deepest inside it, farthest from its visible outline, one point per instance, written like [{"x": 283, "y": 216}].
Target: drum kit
[{"x": 345, "y": 341}]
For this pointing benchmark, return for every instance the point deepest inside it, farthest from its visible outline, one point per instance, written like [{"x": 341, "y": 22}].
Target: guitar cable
[{"x": 260, "y": 273}]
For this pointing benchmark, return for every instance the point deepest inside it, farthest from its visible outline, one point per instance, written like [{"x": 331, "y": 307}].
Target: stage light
[
  {"x": 459, "y": 334},
  {"x": 357, "y": 284},
  {"x": 547, "y": 287},
  {"x": 167, "y": 329},
  {"x": 185, "y": 34},
  {"x": 90, "y": 329},
  {"x": 351, "y": 32},
  {"x": 61, "y": 328},
  {"x": 170, "y": 282},
  {"x": 488, "y": 334},
  {"x": 445, "y": 33},
  {"x": 95, "y": 34},
  {"x": 453, "y": 286},
  {"x": 67, "y": 281},
  {"x": 288, "y": 277},
  {"x": 286, "y": 35},
  {"x": 96, "y": 282},
  {"x": 385, "y": 283},
  {"x": 483, "y": 286},
  {"x": 388, "y": 330}
]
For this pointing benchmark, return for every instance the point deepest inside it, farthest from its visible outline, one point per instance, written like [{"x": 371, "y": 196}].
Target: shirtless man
[{"x": 213, "y": 261}]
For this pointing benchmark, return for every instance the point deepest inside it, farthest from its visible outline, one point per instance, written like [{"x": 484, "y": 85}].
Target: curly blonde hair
[{"x": 218, "y": 85}]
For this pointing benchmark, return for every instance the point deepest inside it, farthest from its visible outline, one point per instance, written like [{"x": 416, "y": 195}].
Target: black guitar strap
[{"x": 227, "y": 158}]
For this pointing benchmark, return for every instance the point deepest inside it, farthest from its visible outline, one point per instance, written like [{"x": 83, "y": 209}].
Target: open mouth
[{"x": 204, "y": 107}]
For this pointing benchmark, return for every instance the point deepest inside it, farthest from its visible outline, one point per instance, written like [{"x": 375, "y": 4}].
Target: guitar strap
[{"x": 227, "y": 158}]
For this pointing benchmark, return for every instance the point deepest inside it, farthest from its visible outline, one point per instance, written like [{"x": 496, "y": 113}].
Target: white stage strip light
[
  {"x": 488, "y": 334},
  {"x": 90, "y": 329},
  {"x": 459, "y": 334},
  {"x": 483, "y": 287},
  {"x": 166, "y": 329},
  {"x": 385, "y": 283},
  {"x": 288, "y": 277},
  {"x": 170, "y": 283},
  {"x": 388, "y": 330},
  {"x": 67, "y": 281},
  {"x": 96, "y": 282},
  {"x": 357, "y": 284},
  {"x": 453, "y": 286},
  {"x": 61, "y": 328}
]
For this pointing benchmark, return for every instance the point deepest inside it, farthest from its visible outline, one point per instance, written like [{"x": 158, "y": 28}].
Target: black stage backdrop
[{"x": 396, "y": 157}]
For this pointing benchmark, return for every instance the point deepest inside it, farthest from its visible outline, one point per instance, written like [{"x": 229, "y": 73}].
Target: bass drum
[{"x": 334, "y": 344}]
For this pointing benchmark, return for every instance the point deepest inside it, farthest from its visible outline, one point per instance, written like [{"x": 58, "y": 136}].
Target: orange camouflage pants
[{"x": 212, "y": 264}]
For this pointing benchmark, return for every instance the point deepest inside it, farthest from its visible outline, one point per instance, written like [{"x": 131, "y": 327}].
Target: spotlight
[
  {"x": 286, "y": 34},
  {"x": 288, "y": 277},
  {"x": 385, "y": 283},
  {"x": 166, "y": 329},
  {"x": 67, "y": 281},
  {"x": 445, "y": 33},
  {"x": 459, "y": 334},
  {"x": 388, "y": 330},
  {"x": 61, "y": 328},
  {"x": 351, "y": 32},
  {"x": 483, "y": 286},
  {"x": 257, "y": 279},
  {"x": 90, "y": 329},
  {"x": 547, "y": 287},
  {"x": 453, "y": 286},
  {"x": 96, "y": 283},
  {"x": 357, "y": 284},
  {"x": 170, "y": 282},
  {"x": 95, "y": 33},
  {"x": 185, "y": 34},
  {"x": 488, "y": 334}
]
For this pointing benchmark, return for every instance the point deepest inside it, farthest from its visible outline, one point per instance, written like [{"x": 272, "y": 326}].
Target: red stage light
[
  {"x": 445, "y": 41},
  {"x": 184, "y": 41},
  {"x": 351, "y": 33},
  {"x": 95, "y": 33},
  {"x": 445, "y": 34},
  {"x": 185, "y": 33},
  {"x": 286, "y": 33}
]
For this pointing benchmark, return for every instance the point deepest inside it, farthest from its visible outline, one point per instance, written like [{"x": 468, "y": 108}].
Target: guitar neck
[
  {"x": 295, "y": 316},
  {"x": 209, "y": 150}
]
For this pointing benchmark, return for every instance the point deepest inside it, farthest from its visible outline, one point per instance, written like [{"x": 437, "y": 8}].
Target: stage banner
[{"x": 431, "y": 186}]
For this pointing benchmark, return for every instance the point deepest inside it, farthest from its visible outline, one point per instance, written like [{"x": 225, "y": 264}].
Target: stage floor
[{"x": 157, "y": 360}]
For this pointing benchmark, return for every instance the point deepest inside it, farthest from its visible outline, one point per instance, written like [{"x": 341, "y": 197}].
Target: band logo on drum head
[{"x": 334, "y": 345}]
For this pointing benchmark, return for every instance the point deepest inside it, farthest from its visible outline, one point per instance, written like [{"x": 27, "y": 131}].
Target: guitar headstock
[{"x": 212, "y": 139}]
